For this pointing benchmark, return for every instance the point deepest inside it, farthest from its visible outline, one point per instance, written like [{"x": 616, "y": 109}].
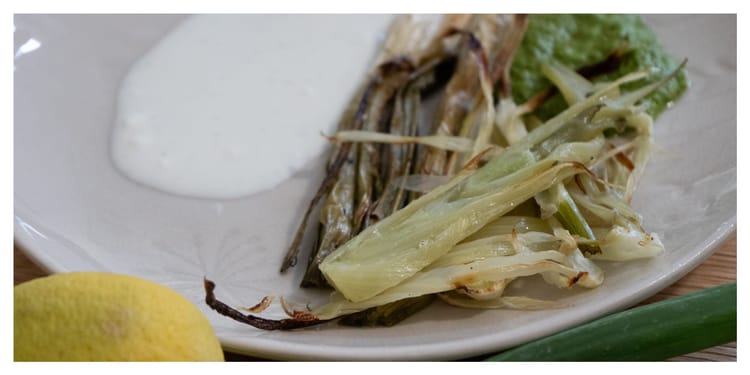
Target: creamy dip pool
[{"x": 225, "y": 106}]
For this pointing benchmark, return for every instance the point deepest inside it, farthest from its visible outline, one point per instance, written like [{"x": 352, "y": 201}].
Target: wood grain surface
[{"x": 720, "y": 268}]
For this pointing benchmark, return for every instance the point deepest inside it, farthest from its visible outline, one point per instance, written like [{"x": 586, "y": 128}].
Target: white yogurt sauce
[{"x": 226, "y": 105}]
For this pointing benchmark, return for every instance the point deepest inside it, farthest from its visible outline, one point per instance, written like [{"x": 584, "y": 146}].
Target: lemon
[{"x": 96, "y": 316}]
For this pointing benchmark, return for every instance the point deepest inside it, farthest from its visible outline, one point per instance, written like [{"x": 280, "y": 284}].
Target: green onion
[{"x": 653, "y": 332}]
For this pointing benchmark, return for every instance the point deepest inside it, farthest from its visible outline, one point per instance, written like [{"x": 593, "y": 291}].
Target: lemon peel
[{"x": 98, "y": 316}]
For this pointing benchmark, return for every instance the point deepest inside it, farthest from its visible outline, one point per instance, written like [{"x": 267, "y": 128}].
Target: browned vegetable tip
[
  {"x": 300, "y": 321},
  {"x": 260, "y": 306},
  {"x": 623, "y": 159}
]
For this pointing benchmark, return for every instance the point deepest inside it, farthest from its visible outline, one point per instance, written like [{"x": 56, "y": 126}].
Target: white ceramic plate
[{"x": 74, "y": 211}]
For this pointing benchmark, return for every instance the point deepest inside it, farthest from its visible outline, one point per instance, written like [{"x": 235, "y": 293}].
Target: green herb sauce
[{"x": 585, "y": 39}]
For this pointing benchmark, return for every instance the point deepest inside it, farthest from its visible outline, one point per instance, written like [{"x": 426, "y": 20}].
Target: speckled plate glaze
[{"x": 74, "y": 211}]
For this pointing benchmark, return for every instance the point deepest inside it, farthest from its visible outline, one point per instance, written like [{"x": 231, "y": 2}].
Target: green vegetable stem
[{"x": 653, "y": 332}]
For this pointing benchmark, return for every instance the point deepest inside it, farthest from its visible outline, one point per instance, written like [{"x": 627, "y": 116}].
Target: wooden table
[{"x": 720, "y": 268}]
